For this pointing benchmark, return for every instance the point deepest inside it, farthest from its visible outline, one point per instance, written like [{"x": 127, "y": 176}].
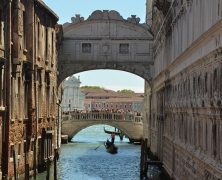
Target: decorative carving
[
  {"x": 105, "y": 15},
  {"x": 77, "y": 19},
  {"x": 133, "y": 19}
]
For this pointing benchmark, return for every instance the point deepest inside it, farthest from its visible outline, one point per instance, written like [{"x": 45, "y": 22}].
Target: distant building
[
  {"x": 72, "y": 97},
  {"x": 102, "y": 99}
]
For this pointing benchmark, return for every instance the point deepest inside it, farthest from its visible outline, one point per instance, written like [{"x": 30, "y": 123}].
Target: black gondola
[
  {"x": 119, "y": 133},
  {"x": 111, "y": 147},
  {"x": 110, "y": 132}
]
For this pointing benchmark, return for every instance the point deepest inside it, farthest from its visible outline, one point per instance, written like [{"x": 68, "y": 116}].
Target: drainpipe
[{"x": 7, "y": 116}]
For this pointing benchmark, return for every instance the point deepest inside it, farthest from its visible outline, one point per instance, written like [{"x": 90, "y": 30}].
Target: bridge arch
[
  {"x": 130, "y": 125},
  {"x": 122, "y": 129},
  {"x": 105, "y": 41}
]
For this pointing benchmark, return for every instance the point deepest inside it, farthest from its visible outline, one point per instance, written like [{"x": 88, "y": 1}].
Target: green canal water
[{"x": 82, "y": 160}]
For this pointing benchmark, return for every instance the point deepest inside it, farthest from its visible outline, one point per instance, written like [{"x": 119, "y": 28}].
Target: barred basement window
[
  {"x": 124, "y": 48},
  {"x": 86, "y": 47}
]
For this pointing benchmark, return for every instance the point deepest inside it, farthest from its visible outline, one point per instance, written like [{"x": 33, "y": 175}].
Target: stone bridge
[
  {"x": 105, "y": 41},
  {"x": 130, "y": 125}
]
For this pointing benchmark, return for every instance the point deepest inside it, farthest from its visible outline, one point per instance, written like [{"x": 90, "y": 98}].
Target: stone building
[
  {"x": 111, "y": 100},
  {"x": 183, "y": 105},
  {"x": 2, "y": 78},
  {"x": 72, "y": 97},
  {"x": 31, "y": 86}
]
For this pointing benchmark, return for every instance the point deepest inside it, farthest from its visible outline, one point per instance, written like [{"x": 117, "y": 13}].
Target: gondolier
[{"x": 113, "y": 137}]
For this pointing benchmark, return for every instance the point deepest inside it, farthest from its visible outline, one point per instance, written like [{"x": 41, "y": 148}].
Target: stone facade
[
  {"x": 2, "y": 78},
  {"x": 106, "y": 41},
  {"x": 31, "y": 84},
  {"x": 72, "y": 98},
  {"x": 183, "y": 104},
  {"x": 103, "y": 99}
]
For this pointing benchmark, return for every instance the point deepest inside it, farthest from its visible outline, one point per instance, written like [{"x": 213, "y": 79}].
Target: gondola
[
  {"x": 119, "y": 133},
  {"x": 110, "y": 132},
  {"x": 110, "y": 147}
]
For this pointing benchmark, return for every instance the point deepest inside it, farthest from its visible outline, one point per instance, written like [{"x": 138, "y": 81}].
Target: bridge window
[
  {"x": 86, "y": 47},
  {"x": 124, "y": 48}
]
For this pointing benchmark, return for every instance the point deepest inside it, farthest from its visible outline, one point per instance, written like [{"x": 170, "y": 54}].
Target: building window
[
  {"x": 214, "y": 137},
  {"x": 39, "y": 76},
  {"x": 26, "y": 92},
  {"x": 24, "y": 147},
  {"x": 215, "y": 80},
  {"x": 1, "y": 27},
  {"x": 32, "y": 145},
  {"x": 19, "y": 149},
  {"x": 39, "y": 38},
  {"x": 11, "y": 151},
  {"x": 206, "y": 80},
  {"x": 2, "y": 88},
  {"x": 52, "y": 48},
  {"x": 47, "y": 89},
  {"x": 124, "y": 48},
  {"x": 46, "y": 43},
  {"x": 24, "y": 30},
  {"x": 86, "y": 47},
  {"x": 19, "y": 97}
]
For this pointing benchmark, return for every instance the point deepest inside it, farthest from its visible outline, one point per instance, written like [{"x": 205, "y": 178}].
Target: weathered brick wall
[{"x": 34, "y": 84}]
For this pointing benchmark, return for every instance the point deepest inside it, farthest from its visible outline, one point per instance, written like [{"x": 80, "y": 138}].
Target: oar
[{"x": 97, "y": 147}]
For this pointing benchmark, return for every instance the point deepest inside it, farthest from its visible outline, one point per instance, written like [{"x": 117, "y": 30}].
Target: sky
[{"x": 110, "y": 79}]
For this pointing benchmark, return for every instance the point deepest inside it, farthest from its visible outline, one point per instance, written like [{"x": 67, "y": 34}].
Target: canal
[{"x": 86, "y": 158}]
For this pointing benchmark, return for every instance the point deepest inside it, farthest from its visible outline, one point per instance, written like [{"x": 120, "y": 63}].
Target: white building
[{"x": 72, "y": 97}]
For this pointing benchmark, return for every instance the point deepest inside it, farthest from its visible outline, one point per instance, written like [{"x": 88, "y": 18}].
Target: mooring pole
[
  {"x": 55, "y": 164},
  {"x": 142, "y": 160},
  {"x": 48, "y": 169},
  {"x": 14, "y": 163},
  {"x": 145, "y": 167}
]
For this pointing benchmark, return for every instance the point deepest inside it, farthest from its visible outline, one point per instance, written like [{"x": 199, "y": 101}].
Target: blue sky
[{"x": 115, "y": 80}]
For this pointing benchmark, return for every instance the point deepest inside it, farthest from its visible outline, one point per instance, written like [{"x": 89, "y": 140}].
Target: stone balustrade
[{"x": 102, "y": 116}]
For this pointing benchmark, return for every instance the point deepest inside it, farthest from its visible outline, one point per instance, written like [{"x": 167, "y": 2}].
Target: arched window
[
  {"x": 199, "y": 84},
  {"x": 215, "y": 85},
  {"x": 194, "y": 85},
  {"x": 205, "y": 82},
  {"x": 214, "y": 139}
]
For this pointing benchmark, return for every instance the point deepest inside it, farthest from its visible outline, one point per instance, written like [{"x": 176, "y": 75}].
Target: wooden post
[
  {"x": 26, "y": 163},
  {"x": 34, "y": 162},
  {"x": 48, "y": 169},
  {"x": 55, "y": 163},
  {"x": 142, "y": 159},
  {"x": 14, "y": 164},
  {"x": 145, "y": 167}
]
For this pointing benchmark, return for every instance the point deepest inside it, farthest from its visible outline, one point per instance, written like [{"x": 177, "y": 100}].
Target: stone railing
[{"x": 102, "y": 116}]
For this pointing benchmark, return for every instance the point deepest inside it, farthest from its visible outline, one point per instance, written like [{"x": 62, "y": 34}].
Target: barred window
[
  {"x": 124, "y": 48},
  {"x": 86, "y": 48}
]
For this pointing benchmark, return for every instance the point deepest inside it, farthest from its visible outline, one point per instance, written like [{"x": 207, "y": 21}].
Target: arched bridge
[
  {"x": 131, "y": 125},
  {"x": 105, "y": 41}
]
